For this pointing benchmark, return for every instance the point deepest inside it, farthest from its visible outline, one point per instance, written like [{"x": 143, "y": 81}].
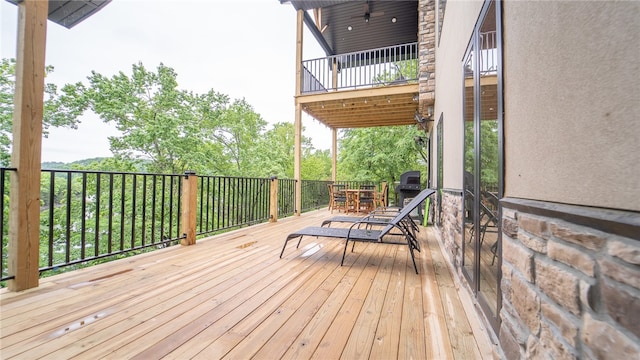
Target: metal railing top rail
[
  {"x": 80, "y": 171},
  {"x": 346, "y": 55}
]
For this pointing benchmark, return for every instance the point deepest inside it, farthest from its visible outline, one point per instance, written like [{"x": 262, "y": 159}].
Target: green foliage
[
  {"x": 275, "y": 152},
  {"x": 379, "y": 154},
  {"x": 168, "y": 130},
  {"x": 398, "y": 72},
  {"x": 175, "y": 130},
  {"x": 160, "y": 123},
  {"x": 316, "y": 165},
  {"x": 488, "y": 152},
  {"x": 60, "y": 109}
]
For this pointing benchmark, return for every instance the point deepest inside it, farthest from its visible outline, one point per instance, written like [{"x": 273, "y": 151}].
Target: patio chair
[
  {"x": 489, "y": 215},
  {"x": 356, "y": 233},
  {"x": 380, "y": 197},
  {"x": 366, "y": 200},
  {"x": 337, "y": 197}
]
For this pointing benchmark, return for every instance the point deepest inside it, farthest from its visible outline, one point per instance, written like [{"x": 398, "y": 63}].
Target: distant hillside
[{"x": 54, "y": 165}]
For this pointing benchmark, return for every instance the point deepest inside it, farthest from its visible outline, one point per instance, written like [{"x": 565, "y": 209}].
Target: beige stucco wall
[
  {"x": 460, "y": 18},
  {"x": 572, "y": 102}
]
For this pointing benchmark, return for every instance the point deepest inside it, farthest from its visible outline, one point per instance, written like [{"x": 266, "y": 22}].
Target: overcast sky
[{"x": 242, "y": 48}]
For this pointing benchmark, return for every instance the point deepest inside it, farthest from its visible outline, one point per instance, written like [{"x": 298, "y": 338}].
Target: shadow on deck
[{"x": 231, "y": 296}]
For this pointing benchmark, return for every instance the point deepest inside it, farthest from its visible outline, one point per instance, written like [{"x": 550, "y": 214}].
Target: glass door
[
  {"x": 483, "y": 149},
  {"x": 489, "y": 164},
  {"x": 469, "y": 178}
]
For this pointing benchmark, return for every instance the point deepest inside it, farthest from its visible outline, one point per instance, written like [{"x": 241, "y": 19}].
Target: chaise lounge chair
[
  {"x": 355, "y": 233},
  {"x": 373, "y": 219}
]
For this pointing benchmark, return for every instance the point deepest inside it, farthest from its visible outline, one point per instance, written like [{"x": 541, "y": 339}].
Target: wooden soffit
[{"x": 372, "y": 107}]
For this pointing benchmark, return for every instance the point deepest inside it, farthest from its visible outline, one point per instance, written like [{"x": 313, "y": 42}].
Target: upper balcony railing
[
  {"x": 487, "y": 54},
  {"x": 391, "y": 65}
]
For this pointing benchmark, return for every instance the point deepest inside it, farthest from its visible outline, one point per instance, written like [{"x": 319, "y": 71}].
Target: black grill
[{"x": 409, "y": 186}]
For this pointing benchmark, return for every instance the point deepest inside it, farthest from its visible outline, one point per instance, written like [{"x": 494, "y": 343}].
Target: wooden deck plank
[
  {"x": 412, "y": 344},
  {"x": 461, "y": 336},
  {"x": 233, "y": 296},
  {"x": 437, "y": 343},
  {"x": 169, "y": 319},
  {"x": 186, "y": 332},
  {"x": 310, "y": 337},
  {"x": 387, "y": 334},
  {"x": 167, "y": 300},
  {"x": 63, "y": 301},
  {"x": 359, "y": 342},
  {"x": 292, "y": 316},
  {"x": 148, "y": 268},
  {"x": 334, "y": 340},
  {"x": 190, "y": 340},
  {"x": 255, "y": 327}
]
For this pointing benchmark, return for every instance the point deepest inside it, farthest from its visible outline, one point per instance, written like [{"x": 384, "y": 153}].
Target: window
[
  {"x": 442, "y": 4},
  {"x": 482, "y": 169},
  {"x": 440, "y": 163}
]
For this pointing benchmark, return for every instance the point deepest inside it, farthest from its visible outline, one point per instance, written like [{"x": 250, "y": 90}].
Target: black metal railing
[
  {"x": 88, "y": 217},
  {"x": 286, "y": 197},
  {"x": 393, "y": 65},
  {"x": 4, "y": 221},
  {"x": 231, "y": 202},
  {"x": 315, "y": 194}
]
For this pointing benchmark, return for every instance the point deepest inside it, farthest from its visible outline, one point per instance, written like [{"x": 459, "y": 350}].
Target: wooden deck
[{"x": 231, "y": 296}]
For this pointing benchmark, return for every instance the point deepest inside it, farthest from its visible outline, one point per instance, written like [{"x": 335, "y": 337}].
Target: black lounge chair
[
  {"x": 355, "y": 233},
  {"x": 373, "y": 219}
]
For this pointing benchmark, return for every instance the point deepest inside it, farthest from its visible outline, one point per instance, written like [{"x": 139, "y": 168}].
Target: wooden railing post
[
  {"x": 273, "y": 201},
  {"x": 189, "y": 205},
  {"x": 24, "y": 203}
]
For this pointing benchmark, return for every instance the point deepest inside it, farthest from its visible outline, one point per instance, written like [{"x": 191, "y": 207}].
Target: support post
[
  {"x": 273, "y": 200},
  {"x": 24, "y": 203},
  {"x": 297, "y": 156},
  {"x": 334, "y": 131},
  {"x": 334, "y": 154},
  {"x": 189, "y": 207}
]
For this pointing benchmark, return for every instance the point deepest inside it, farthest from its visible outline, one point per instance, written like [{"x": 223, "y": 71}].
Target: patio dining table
[{"x": 353, "y": 198}]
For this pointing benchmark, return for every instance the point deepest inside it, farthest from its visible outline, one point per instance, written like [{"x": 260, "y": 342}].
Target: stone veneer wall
[
  {"x": 427, "y": 53},
  {"x": 451, "y": 225},
  {"x": 571, "y": 282}
]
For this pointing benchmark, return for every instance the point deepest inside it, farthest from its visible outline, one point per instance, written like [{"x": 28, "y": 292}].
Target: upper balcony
[
  {"x": 375, "y": 87},
  {"x": 375, "y": 64}
]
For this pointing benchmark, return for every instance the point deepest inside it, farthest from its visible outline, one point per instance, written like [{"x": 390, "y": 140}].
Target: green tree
[
  {"x": 274, "y": 155},
  {"x": 61, "y": 109},
  {"x": 174, "y": 130},
  {"x": 238, "y": 132},
  {"x": 488, "y": 151},
  {"x": 379, "y": 154},
  {"x": 316, "y": 165},
  {"x": 274, "y": 152},
  {"x": 158, "y": 122}
]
